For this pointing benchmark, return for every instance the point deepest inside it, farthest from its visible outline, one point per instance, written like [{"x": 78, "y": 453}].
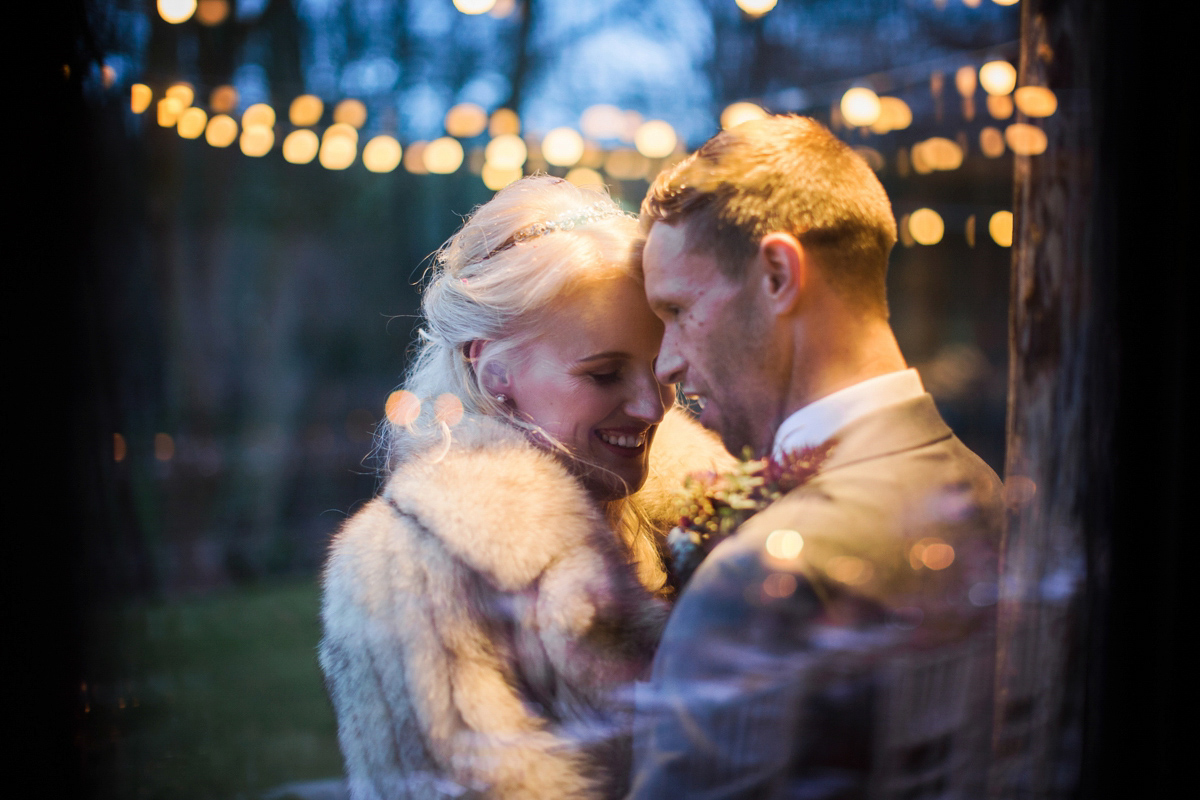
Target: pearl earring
[{"x": 502, "y": 399}]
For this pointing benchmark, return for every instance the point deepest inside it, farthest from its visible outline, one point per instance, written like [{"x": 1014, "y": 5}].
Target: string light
[
  {"x": 306, "y": 110},
  {"x": 737, "y": 113},
  {"x": 192, "y": 123},
  {"x": 256, "y": 140},
  {"x": 860, "y": 107},
  {"x": 655, "y": 139},
  {"x": 176, "y": 11},
  {"x": 926, "y": 226},
  {"x": 300, "y": 147},
  {"x": 382, "y": 154},
  {"x": 506, "y": 152},
  {"x": 443, "y": 156},
  {"x": 998, "y": 77},
  {"x": 221, "y": 131},
  {"x": 140, "y": 96},
  {"x": 562, "y": 147}
]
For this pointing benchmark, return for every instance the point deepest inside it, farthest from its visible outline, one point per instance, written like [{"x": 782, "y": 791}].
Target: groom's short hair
[{"x": 789, "y": 174}]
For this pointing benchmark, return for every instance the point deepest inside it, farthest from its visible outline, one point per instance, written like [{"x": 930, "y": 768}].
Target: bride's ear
[{"x": 494, "y": 375}]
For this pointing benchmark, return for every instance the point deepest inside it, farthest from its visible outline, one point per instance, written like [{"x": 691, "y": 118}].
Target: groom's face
[{"x": 714, "y": 340}]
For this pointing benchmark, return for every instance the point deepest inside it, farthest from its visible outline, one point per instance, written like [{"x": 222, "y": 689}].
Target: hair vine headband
[{"x": 566, "y": 221}]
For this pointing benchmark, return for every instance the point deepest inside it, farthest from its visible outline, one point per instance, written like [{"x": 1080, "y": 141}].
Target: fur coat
[{"x": 483, "y": 623}]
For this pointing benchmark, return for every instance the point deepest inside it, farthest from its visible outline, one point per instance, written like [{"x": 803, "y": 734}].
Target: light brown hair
[{"x": 786, "y": 174}]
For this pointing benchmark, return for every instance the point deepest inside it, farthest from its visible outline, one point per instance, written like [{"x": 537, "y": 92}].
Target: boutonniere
[{"x": 713, "y": 506}]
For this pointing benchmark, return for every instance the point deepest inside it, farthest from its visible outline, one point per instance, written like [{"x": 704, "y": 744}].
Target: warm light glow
[
  {"x": 506, "y": 151},
  {"x": 108, "y": 76},
  {"x": 223, "y": 99},
  {"x": 1000, "y": 226},
  {"x": 414, "y": 158},
  {"x": 873, "y": 157},
  {"x": 939, "y": 153},
  {"x": 300, "y": 147},
  {"x": 737, "y": 113},
  {"x": 991, "y": 142},
  {"x": 212, "y": 12},
  {"x": 182, "y": 92},
  {"x": 259, "y": 115},
  {"x": 1000, "y": 106},
  {"x": 382, "y": 154},
  {"x": 1036, "y": 101},
  {"x": 1005, "y": 2},
  {"x": 926, "y": 226},
  {"x": 192, "y": 123},
  {"x": 164, "y": 447},
  {"x": 338, "y": 150},
  {"x": 655, "y": 139},
  {"x": 602, "y": 121},
  {"x": 562, "y": 147},
  {"x": 448, "y": 408},
  {"x": 860, "y": 107},
  {"x": 343, "y": 130},
  {"x": 964, "y": 81},
  {"x": 350, "y": 112},
  {"x": 443, "y": 156},
  {"x": 784, "y": 543},
  {"x": 938, "y": 555},
  {"x": 894, "y": 115},
  {"x": 849, "y": 570},
  {"x": 496, "y": 177},
  {"x": 221, "y": 131},
  {"x": 920, "y": 161},
  {"x": 779, "y": 585},
  {"x": 466, "y": 120},
  {"x": 119, "y": 449},
  {"x": 756, "y": 8},
  {"x": 1019, "y": 491},
  {"x": 998, "y": 77},
  {"x": 633, "y": 121},
  {"x": 169, "y": 109},
  {"x": 140, "y": 96},
  {"x": 1025, "y": 139},
  {"x": 402, "y": 407},
  {"x": 969, "y": 230},
  {"x": 585, "y": 176},
  {"x": 474, "y": 6},
  {"x": 257, "y": 140},
  {"x": 176, "y": 11},
  {"x": 626, "y": 164},
  {"x": 503, "y": 8},
  {"x": 504, "y": 120},
  {"x": 306, "y": 110}
]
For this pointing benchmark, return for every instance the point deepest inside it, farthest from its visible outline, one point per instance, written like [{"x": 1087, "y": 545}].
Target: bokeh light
[
  {"x": 382, "y": 154},
  {"x": 742, "y": 111},
  {"x": 466, "y": 120},
  {"x": 164, "y": 447},
  {"x": 756, "y": 8},
  {"x": 212, "y": 12},
  {"x": 339, "y": 147},
  {"x": 497, "y": 177},
  {"x": 350, "y": 112},
  {"x": 1019, "y": 491},
  {"x": 140, "y": 96},
  {"x": 655, "y": 139},
  {"x": 1000, "y": 106},
  {"x": 176, "y": 11},
  {"x": 562, "y": 147},
  {"x": 585, "y": 176},
  {"x": 442, "y": 156},
  {"x": 169, "y": 109},
  {"x": 257, "y": 140},
  {"x": 474, "y": 6},
  {"x": 1025, "y": 139},
  {"x": 414, "y": 158},
  {"x": 1036, "y": 101},
  {"x": 850, "y": 570},
  {"x": 448, "y": 408},
  {"x": 894, "y": 115},
  {"x": 998, "y": 77},
  {"x": 939, "y": 153},
  {"x": 504, "y": 120},
  {"x": 192, "y": 123},
  {"x": 779, "y": 585},
  {"x": 182, "y": 92},
  {"x": 991, "y": 142},
  {"x": 860, "y": 107},
  {"x": 626, "y": 164},
  {"x": 602, "y": 121},
  {"x": 506, "y": 151},
  {"x": 964, "y": 81},
  {"x": 258, "y": 115},
  {"x": 937, "y": 556},
  {"x": 119, "y": 448},
  {"x": 1000, "y": 226},
  {"x": 306, "y": 110},
  {"x": 300, "y": 147},
  {"x": 926, "y": 226},
  {"x": 402, "y": 407},
  {"x": 969, "y": 230},
  {"x": 784, "y": 544},
  {"x": 221, "y": 131}
]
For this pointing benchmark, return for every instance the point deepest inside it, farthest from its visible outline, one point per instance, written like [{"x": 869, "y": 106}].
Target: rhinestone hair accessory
[{"x": 566, "y": 221}]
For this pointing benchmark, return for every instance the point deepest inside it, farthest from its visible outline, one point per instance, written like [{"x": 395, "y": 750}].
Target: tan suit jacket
[{"x": 860, "y": 667}]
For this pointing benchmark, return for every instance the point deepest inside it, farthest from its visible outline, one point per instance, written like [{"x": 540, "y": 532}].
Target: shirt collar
[{"x": 821, "y": 419}]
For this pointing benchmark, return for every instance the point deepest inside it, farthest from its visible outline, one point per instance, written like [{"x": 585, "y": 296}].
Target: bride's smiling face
[{"x": 588, "y": 381}]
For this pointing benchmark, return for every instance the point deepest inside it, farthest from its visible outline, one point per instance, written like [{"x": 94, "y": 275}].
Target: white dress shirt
[{"x": 820, "y": 419}]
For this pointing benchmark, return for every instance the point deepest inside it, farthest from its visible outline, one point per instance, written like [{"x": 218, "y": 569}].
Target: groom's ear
[{"x": 785, "y": 271}]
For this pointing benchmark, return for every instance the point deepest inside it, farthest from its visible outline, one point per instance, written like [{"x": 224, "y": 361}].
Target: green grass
[{"x": 215, "y": 697}]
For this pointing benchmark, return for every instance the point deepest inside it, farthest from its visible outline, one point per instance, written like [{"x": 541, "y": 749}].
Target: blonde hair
[{"x": 787, "y": 174}]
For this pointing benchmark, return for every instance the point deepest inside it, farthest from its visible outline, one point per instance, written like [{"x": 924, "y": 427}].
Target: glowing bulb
[
  {"x": 585, "y": 176},
  {"x": 894, "y": 115},
  {"x": 169, "y": 109},
  {"x": 306, "y": 110},
  {"x": 300, "y": 147},
  {"x": 466, "y": 120},
  {"x": 991, "y": 142},
  {"x": 402, "y": 407},
  {"x": 176, "y": 11},
  {"x": 443, "y": 156},
  {"x": 140, "y": 96},
  {"x": 1036, "y": 101},
  {"x": 506, "y": 151},
  {"x": 602, "y": 121},
  {"x": 655, "y": 139},
  {"x": 1000, "y": 106},
  {"x": 860, "y": 107},
  {"x": 1000, "y": 226},
  {"x": 998, "y": 77},
  {"x": 756, "y": 8},
  {"x": 221, "y": 131},
  {"x": 474, "y": 6},
  {"x": 1005, "y": 2},
  {"x": 448, "y": 408},
  {"x": 382, "y": 154},
  {"x": 257, "y": 140},
  {"x": 212, "y": 12},
  {"x": 414, "y": 158},
  {"x": 496, "y": 177},
  {"x": 926, "y": 226},
  {"x": 343, "y": 130},
  {"x": 1025, "y": 139},
  {"x": 737, "y": 113},
  {"x": 350, "y": 112},
  {"x": 964, "y": 81},
  {"x": 259, "y": 115},
  {"x": 182, "y": 92},
  {"x": 504, "y": 120},
  {"x": 192, "y": 123},
  {"x": 223, "y": 99},
  {"x": 562, "y": 147},
  {"x": 784, "y": 544},
  {"x": 338, "y": 151},
  {"x": 942, "y": 153}
]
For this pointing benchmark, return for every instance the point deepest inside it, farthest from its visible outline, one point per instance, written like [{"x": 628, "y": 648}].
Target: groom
[{"x": 839, "y": 644}]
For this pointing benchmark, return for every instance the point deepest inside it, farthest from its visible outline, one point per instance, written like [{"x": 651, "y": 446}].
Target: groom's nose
[{"x": 670, "y": 366}]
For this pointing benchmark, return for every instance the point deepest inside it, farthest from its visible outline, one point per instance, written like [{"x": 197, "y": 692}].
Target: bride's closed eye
[{"x": 606, "y": 378}]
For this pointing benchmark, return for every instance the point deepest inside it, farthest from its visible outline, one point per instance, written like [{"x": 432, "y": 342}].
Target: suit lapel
[{"x": 904, "y": 426}]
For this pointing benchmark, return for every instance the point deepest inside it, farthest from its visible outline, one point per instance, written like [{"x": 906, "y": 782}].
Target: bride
[{"x": 485, "y": 616}]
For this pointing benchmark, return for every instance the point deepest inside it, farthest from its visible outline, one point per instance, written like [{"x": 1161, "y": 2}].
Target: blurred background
[{"x": 266, "y": 182}]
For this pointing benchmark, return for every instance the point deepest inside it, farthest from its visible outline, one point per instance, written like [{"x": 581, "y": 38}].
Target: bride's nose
[{"x": 649, "y": 399}]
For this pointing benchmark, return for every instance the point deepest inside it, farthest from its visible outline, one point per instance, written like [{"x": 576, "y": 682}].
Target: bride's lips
[{"x": 624, "y": 442}]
